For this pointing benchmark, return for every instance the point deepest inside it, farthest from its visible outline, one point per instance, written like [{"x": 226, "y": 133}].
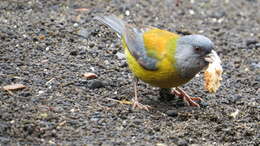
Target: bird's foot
[
  {"x": 137, "y": 104},
  {"x": 186, "y": 98}
]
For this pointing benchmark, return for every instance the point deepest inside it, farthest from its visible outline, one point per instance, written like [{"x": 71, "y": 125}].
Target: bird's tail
[{"x": 113, "y": 22}]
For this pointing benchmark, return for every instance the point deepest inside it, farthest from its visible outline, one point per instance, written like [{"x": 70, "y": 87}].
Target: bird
[{"x": 161, "y": 58}]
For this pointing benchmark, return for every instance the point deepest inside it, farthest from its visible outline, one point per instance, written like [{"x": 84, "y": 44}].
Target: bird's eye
[{"x": 197, "y": 49}]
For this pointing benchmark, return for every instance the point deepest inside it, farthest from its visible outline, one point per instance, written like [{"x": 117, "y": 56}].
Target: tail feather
[{"x": 113, "y": 22}]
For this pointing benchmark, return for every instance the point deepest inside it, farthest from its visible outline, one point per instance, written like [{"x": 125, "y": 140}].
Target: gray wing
[
  {"x": 135, "y": 44},
  {"x": 133, "y": 38}
]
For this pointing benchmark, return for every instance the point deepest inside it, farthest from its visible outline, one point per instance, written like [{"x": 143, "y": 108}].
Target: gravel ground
[{"x": 48, "y": 44}]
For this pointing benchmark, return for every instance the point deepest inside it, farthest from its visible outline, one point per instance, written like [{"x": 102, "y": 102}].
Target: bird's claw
[
  {"x": 137, "y": 104},
  {"x": 186, "y": 98}
]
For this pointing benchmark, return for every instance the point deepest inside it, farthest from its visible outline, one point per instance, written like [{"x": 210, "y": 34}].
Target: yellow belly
[{"x": 165, "y": 77}]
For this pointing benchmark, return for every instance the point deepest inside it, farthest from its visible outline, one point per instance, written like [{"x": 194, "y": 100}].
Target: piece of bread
[{"x": 213, "y": 74}]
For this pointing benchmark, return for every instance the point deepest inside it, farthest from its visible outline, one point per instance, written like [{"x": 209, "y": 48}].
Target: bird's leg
[
  {"x": 135, "y": 99},
  {"x": 186, "y": 98}
]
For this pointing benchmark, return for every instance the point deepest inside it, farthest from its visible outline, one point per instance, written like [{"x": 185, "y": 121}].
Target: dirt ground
[{"x": 48, "y": 44}]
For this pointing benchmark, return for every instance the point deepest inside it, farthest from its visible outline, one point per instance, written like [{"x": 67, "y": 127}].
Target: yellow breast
[{"x": 165, "y": 77}]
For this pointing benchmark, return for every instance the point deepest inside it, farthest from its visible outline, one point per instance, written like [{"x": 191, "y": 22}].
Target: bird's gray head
[{"x": 190, "y": 54}]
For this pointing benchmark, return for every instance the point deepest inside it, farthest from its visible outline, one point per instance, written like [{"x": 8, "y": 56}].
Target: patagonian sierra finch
[{"x": 161, "y": 58}]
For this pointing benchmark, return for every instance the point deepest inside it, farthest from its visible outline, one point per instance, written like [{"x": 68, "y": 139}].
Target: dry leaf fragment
[
  {"x": 89, "y": 75},
  {"x": 14, "y": 87},
  {"x": 121, "y": 101},
  {"x": 62, "y": 123},
  {"x": 212, "y": 75},
  {"x": 81, "y": 9},
  {"x": 41, "y": 37}
]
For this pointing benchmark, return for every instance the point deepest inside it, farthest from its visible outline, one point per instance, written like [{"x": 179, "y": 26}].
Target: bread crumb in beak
[{"x": 212, "y": 75}]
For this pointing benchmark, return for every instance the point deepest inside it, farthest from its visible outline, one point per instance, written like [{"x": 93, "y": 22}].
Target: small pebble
[
  {"x": 81, "y": 82},
  {"x": 172, "y": 113},
  {"x": 74, "y": 53},
  {"x": 75, "y": 24},
  {"x": 182, "y": 142},
  {"x": 251, "y": 42},
  {"x": 218, "y": 14},
  {"x": 235, "y": 98},
  {"x": 41, "y": 92},
  {"x": 195, "y": 145},
  {"x": 161, "y": 144},
  {"x": 234, "y": 114},
  {"x": 84, "y": 33},
  {"x": 203, "y": 104},
  {"x": 120, "y": 55},
  {"x": 25, "y": 94},
  {"x": 122, "y": 64},
  {"x": 255, "y": 65},
  {"x": 91, "y": 45},
  {"x": 137, "y": 122},
  {"x": 191, "y": 12},
  {"x": 106, "y": 62},
  {"x": 47, "y": 48},
  {"x": 93, "y": 84},
  {"x": 127, "y": 12}
]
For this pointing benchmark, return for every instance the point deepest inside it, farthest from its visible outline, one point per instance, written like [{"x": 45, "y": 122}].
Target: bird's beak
[{"x": 212, "y": 57}]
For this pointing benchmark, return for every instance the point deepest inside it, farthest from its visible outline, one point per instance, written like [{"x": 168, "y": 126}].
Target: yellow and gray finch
[{"x": 161, "y": 58}]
